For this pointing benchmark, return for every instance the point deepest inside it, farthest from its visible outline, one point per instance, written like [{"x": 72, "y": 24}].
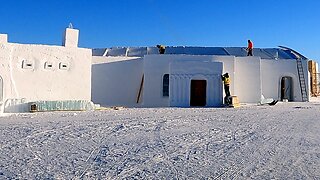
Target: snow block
[
  {"x": 3, "y": 38},
  {"x": 71, "y": 105},
  {"x": 234, "y": 102},
  {"x": 70, "y": 38}
]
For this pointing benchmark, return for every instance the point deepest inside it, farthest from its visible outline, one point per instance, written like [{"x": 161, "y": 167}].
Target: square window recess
[
  {"x": 27, "y": 64},
  {"x": 48, "y": 65},
  {"x": 63, "y": 66}
]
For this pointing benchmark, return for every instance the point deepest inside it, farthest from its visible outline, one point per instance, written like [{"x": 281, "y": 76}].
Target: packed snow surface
[{"x": 251, "y": 142}]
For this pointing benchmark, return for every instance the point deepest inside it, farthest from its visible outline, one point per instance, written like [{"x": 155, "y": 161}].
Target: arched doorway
[
  {"x": 198, "y": 93},
  {"x": 286, "y": 88}
]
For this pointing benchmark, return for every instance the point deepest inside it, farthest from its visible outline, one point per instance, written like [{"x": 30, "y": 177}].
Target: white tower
[
  {"x": 70, "y": 37},
  {"x": 3, "y": 38}
]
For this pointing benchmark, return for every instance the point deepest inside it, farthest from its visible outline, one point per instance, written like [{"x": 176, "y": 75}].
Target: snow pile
[{"x": 259, "y": 142}]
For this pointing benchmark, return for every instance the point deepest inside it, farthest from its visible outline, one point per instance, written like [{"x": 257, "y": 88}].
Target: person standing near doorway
[
  {"x": 250, "y": 48},
  {"x": 226, "y": 82}
]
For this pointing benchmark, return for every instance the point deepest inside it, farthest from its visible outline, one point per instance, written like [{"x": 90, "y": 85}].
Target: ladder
[
  {"x": 302, "y": 80},
  {"x": 140, "y": 89}
]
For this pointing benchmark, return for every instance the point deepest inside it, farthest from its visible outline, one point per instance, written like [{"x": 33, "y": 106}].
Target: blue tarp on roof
[{"x": 264, "y": 53}]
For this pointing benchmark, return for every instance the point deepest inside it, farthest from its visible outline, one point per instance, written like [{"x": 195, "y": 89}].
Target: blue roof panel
[{"x": 264, "y": 53}]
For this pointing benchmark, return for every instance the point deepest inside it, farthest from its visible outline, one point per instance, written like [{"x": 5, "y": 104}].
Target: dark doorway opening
[
  {"x": 198, "y": 95},
  {"x": 286, "y": 88}
]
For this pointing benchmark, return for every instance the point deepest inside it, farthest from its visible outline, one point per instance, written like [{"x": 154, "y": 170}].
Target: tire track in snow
[
  {"x": 237, "y": 168},
  {"x": 289, "y": 164},
  {"x": 205, "y": 139},
  {"x": 273, "y": 150},
  {"x": 157, "y": 133},
  {"x": 88, "y": 165},
  {"x": 95, "y": 152},
  {"x": 27, "y": 139},
  {"x": 278, "y": 146},
  {"x": 139, "y": 168}
]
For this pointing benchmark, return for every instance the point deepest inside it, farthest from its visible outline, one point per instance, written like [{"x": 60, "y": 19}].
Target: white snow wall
[
  {"x": 247, "y": 79},
  {"x": 228, "y": 67},
  {"x": 183, "y": 72},
  {"x": 155, "y": 66},
  {"x": 42, "y": 72},
  {"x": 116, "y": 80},
  {"x": 273, "y": 70}
]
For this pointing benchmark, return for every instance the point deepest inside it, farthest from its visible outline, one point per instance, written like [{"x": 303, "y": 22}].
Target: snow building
[
  {"x": 190, "y": 76},
  {"x": 51, "y": 77}
]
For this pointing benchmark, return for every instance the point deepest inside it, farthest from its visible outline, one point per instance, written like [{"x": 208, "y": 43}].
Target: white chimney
[
  {"x": 3, "y": 38},
  {"x": 70, "y": 38}
]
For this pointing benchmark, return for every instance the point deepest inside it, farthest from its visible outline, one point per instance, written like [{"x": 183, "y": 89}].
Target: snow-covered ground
[{"x": 258, "y": 142}]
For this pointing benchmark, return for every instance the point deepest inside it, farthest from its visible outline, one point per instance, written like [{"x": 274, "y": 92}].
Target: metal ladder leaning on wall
[{"x": 302, "y": 80}]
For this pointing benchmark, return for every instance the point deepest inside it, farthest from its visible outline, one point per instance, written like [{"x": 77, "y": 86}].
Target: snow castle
[
  {"x": 53, "y": 75},
  {"x": 49, "y": 78},
  {"x": 183, "y": 76}
]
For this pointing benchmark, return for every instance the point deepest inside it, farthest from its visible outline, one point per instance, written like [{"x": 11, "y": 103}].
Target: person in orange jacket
[{"x": 250, "y": 48}]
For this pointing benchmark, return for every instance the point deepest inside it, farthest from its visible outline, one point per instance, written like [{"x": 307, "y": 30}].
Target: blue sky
[{"x": 108, "y": 23}]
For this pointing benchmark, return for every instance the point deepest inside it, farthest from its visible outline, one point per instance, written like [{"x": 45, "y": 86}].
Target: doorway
[
  {"x": 198, "y": 95},
  {"x": 286, "y": 88}
]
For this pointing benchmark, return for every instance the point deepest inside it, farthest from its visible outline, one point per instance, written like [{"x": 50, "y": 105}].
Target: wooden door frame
[{"x": 201, "y": 104}]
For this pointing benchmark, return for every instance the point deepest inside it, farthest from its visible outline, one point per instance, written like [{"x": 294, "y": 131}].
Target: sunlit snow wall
[
  {"x": 247, "y": 79},
  {"x": 272, "y": 72},
  {"x": 181, "y": 69},
  {"x": 44, "y": 72},
  {"x": 251, "y": 77},
  {"x": 116, "y": 80}
]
